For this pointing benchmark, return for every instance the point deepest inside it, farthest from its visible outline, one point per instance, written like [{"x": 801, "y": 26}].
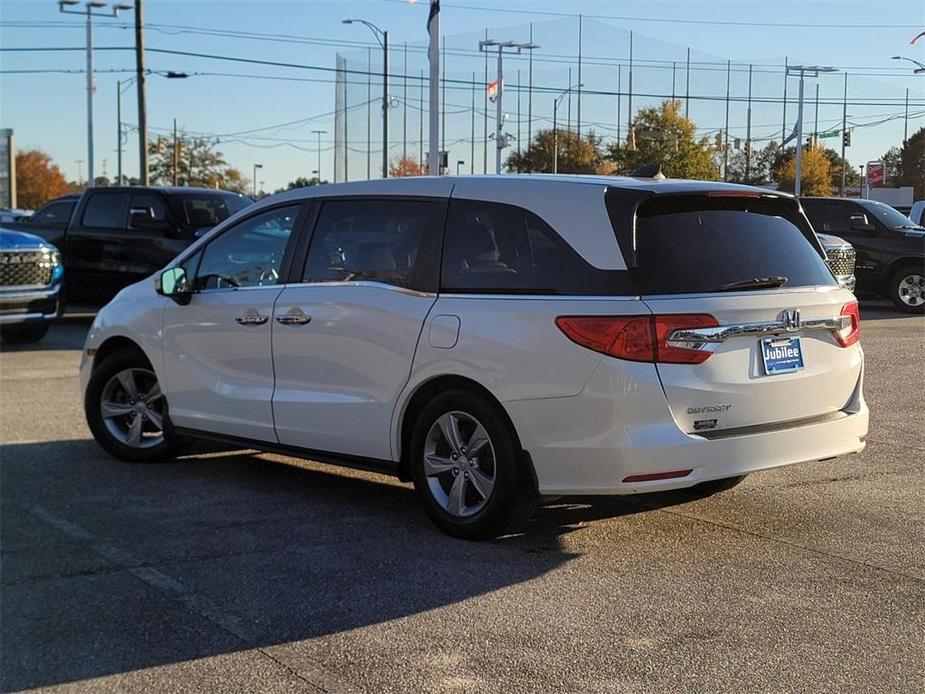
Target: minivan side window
[
  {"x": 248, "y": 254},
  {"x": 494, "y": 247},
  {"x": 390, "y": 241},
  {"x": 106, "y": 210}
]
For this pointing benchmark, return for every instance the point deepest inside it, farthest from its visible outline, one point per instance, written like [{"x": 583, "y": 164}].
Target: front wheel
[
  {"x": 907, "y": 289},
  {"x": 464, "y": 462},
  {"x": 126, "y": 410}
]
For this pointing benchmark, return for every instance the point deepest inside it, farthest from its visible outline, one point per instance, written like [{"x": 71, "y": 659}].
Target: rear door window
[
  {"x": 395, "y": 242},
  {"x": 493, "y": 247},
  {"x": 697, "y": 243},
  {"x": 106, "y": 210}
]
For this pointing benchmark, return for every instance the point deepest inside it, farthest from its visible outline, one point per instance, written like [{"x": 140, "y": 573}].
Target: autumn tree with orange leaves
[
  {"x": 38, "y": 179},
  {"x": 406, "y": 167}
]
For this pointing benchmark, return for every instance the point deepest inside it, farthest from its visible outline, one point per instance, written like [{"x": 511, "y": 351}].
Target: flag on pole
[{"x": 493, "y": 90}]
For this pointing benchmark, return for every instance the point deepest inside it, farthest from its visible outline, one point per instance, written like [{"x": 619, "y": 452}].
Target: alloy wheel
[
  {"x": 132, "y": 408},
  {"x": 459, "y": 464}
]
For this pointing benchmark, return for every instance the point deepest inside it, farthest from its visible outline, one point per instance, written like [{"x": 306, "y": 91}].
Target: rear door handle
[
  {"x": 251, "y": 317},
  {"x": 294, "y": 317}
]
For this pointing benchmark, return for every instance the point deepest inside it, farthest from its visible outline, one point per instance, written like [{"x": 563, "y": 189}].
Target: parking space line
[{"x": 206, "y": 608}]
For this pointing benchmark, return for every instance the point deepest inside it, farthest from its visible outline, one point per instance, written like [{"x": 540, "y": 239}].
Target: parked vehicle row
[
  {"x": 31, "y": 274},
  {"x": 494, "y": 340},
  {"x": 112, "y": 237},
  {"x": 889, "y": 247}
]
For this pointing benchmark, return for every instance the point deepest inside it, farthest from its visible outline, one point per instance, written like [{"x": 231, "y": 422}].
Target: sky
[{"x": 266, "y": 114}]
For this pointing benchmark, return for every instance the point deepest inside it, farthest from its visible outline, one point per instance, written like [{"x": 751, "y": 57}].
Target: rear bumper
[
  {"x": 591, "y": 443},
  {"x": 29, "y": 306}
]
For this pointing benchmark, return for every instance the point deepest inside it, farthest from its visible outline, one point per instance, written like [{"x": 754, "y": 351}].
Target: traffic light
[{"x": 846, "y": 138}]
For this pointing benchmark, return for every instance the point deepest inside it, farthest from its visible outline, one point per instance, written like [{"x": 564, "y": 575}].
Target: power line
[{"x": 672, "y": 20}]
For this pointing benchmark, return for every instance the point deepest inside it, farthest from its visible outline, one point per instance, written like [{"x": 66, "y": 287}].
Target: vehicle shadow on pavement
[{"x": 109, "y": 567}]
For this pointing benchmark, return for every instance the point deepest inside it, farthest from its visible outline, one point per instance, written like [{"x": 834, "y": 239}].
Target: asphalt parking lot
[{"x": 229, "y": 571}]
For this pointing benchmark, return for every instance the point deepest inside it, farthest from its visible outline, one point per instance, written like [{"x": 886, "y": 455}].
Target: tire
[
  {"x": 907, "y": 288},
  {"x": 24, "y": 333},
  {"x": 470, "y": 496},
  {"x": 152, "y": 438}
]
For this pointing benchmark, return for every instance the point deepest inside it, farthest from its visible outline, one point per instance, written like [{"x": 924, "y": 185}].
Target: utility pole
[
  {"x": 816, "y": 119},
  {"x": 404, "y": 117},
  {"x": 118, "y": 133},
  {"x": 256, "y": 166},
  {"x": 319, "y": 133},
  {"x": 176, "y": 155},
  {"x": 472, "y": 140},
  {"x": 748, "y": 130},
  {"x": 140, "y": 88},
  {"x": 578, "y": 112},
  {"x": 369, "y": 114},
  {"x": 513, "y": 46},
  {"x": 629, "y": 95},
  {"x": 844, "y": 125},
  {"x": 687, "y": 87},
  {"x": 726, "y": 139},
  {"x": 530, "y": 92},
  {"x": 619, "y": 89},
  {"x": 906, "y": 121}
]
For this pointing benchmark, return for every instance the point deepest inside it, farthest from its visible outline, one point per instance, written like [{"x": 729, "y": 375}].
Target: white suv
[{"x": 494, "y": 339}]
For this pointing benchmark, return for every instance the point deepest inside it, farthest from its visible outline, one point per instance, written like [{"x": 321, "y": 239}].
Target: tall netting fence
[{"x": 613, "y": 75}]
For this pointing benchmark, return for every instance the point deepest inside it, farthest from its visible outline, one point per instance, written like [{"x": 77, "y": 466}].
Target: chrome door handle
[
  {"x": 293, "y": 318},
  {"x": 251, "y": 317}
]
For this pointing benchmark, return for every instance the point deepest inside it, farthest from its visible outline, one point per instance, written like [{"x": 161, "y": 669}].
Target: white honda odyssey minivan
[{"x": 494, "y": 339}]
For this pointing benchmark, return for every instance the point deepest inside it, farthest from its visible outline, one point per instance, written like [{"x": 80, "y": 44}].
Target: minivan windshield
[{"x": 700, "y": 243}]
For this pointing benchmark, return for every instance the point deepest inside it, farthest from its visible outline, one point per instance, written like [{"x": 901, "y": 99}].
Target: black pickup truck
[
  {"x": 113, "y": 237},
  {"x": 889, "y": 247}
]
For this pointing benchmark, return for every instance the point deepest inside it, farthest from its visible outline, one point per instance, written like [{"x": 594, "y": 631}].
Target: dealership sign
[{"x": 876, "y": 173}]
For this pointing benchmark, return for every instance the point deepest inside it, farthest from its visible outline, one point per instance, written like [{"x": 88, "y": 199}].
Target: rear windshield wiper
[{"x": 754, "y": 283}]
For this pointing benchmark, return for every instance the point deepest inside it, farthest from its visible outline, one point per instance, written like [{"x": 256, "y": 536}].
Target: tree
[
  {"x": 581, "y": 155},
  {"x": 38, "y": 179},
  {"x": 905, "y": 166},
  {"x": 663, "y": 135},
  {"x": 405, "y": 166},
  {"x": 760, "y": 169},
  {"x": 815, "y": 177},
  {"x": 852, "y": 175},
  {"x": 199, "y": 164}
]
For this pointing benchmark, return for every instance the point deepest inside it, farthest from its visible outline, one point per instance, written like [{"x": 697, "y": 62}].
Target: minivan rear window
[{"x": 699, "y": 243}]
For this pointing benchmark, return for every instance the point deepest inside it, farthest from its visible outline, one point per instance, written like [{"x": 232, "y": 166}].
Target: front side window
[
  {"x": 106, "y": 210},
  {"x": 389, "y": 241},
  {"x": 248, "y": 254},
  {"x": 493, "y": 247},
  {"x": 837, "y": 216},
  {"x": 56, "y": 213}
]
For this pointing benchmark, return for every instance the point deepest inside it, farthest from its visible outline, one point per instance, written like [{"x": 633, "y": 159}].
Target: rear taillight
[
  {"x": 848, "y": 335},
  {"x": 637, "y": 338}
]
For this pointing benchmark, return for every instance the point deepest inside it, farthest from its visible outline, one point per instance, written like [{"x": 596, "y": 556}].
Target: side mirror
[
  {"x": 143, "y": 218},
  {"x": 173, "y": 283},
  {"x": 858, "y": 222}
]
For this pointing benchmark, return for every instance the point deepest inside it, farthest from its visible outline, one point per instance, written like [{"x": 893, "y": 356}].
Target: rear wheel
[
  {"x": 24, "y": 333},
  {"x": 126, "y": 410},
  {"x": 907, "y": 289},
  {"x": 464, "y": 462}
]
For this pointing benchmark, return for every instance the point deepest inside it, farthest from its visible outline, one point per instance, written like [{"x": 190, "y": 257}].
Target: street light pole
[
  {"x": 382, "y": 37},
  {"x": 459, "y": 163},
  {"x": 256, "y": 166},
  {"x": 803, "y": 70},
  {"x": 555, "y": 128},
  {"x": 319, "y": 133},
  {"x": 500, "y": 139},
  {"x": 89, "y": 14}
]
